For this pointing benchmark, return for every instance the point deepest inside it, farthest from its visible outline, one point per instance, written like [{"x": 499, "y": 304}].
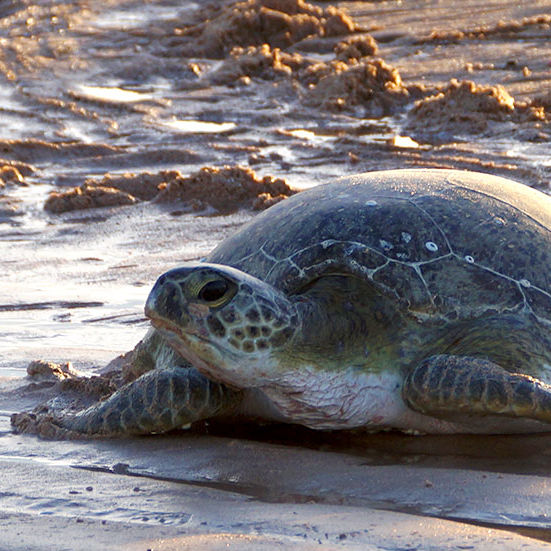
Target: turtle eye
[{"x": 213, "y": 292}]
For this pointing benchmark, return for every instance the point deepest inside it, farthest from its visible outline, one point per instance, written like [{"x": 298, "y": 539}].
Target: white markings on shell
[
  {"x": 525, "y": 283},
  {"x": 351, "y": 249},
  {"x": 431, "y": 246},
  {"x": 469, "y": 259},
  {"x": 327, "y": 243},
  {"x": 385, "y": 245},
  {"x": 371, "y": 203}
]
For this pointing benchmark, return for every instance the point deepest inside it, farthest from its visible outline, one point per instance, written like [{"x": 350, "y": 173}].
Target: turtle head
[{"x": 227, "y": 323}]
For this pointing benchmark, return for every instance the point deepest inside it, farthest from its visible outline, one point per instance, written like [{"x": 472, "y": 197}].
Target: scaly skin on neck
[{"x": 344, "y": 322}]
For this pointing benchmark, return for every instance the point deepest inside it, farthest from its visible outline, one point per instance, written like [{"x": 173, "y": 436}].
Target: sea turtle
[{"x": 418, "y": 300}]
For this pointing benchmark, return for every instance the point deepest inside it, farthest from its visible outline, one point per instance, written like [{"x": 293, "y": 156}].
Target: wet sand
[{"x": 119, "y": 119}]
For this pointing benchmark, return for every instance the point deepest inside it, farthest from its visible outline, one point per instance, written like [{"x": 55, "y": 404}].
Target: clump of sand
[
  {"x": 279, "y": 23},
  {"x": 258, "y": 62},
  {"x": 336, "y": 85},
  {"x": 466, "y": 107},
  {"x": 356, "y": 47},
  {"x": 87, "y": 196},
  {"x": 144, "y": 186},
  {"x": 50, "y": 371},
  {"x": 225, "y": 189},
  {"x": 256, "y": 32},
  {"x": 267, "y": 63},
  {"x": 373, "y": 85}
]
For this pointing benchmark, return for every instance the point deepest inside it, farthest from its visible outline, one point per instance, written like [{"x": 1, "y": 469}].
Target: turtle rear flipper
[{"x": 453, "y": 387}]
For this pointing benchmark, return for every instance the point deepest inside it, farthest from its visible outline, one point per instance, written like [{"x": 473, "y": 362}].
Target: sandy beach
[{"x": 137, "y": 135}]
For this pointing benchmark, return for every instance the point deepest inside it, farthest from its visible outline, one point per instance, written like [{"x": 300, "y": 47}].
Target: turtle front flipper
[
  {"x": 452, "y": 387},
  {"x": 158, "y": 401}
]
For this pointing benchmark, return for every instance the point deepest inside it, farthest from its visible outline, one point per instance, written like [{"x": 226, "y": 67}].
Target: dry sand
[{"x": 138, "y": 134}]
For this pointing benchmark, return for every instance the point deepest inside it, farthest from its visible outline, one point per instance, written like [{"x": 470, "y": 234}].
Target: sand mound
[
  {"x": 257, "y": 62},
  {"x": 87, "y": 196},
  {"x": 466, "y": 107},
  {"x": 269, "y": 63},
  {"x": 50, "y": 371},
  {"x": 373, "y": 85},
  {"x": 225, "y": 189},
  {"x": 279, "y": 23},
  {"x": 144, "y": 186},
  {"x": 110, "y": 191},
  {"x": 356, "y": 47},
  {"x": 336, "y": 85}
]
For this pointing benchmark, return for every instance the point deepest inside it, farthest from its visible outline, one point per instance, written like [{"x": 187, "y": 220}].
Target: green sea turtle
[{"x": 411, "y": 299}]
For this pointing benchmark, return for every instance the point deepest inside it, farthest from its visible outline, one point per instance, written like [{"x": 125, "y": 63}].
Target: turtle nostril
[
  {"x": 170, "y": 303},
  {"x": 164, "y": 301}
]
